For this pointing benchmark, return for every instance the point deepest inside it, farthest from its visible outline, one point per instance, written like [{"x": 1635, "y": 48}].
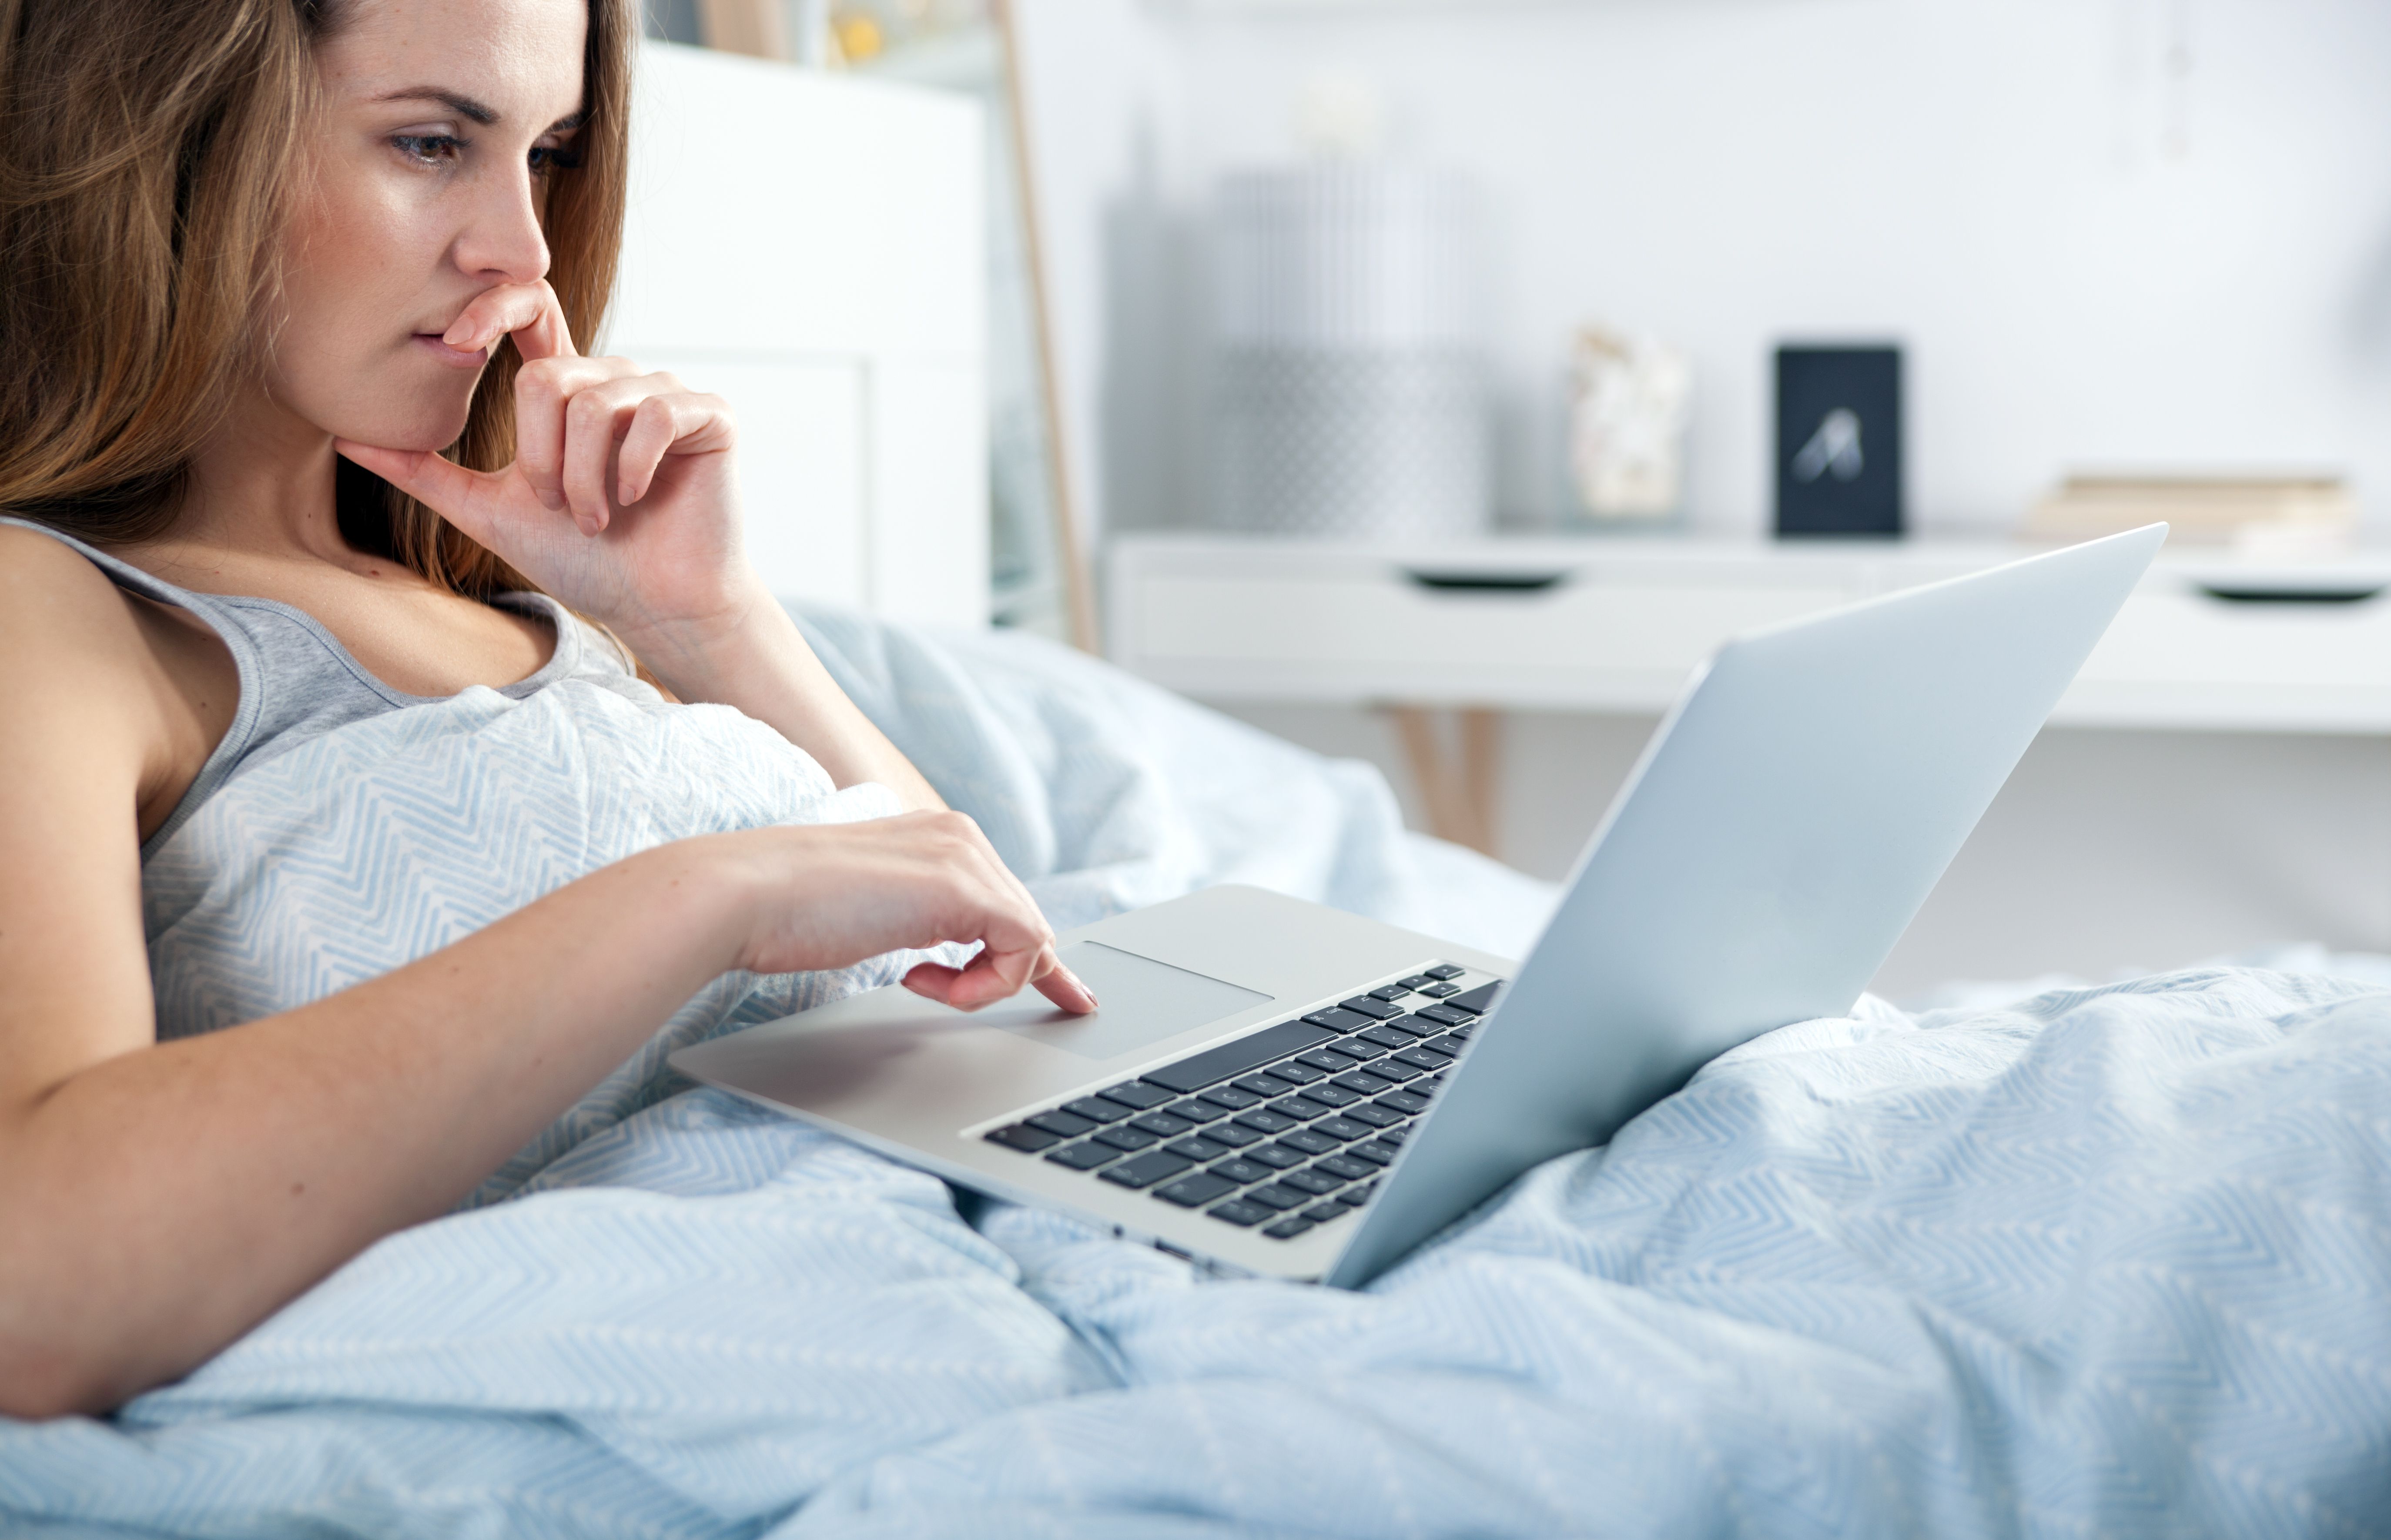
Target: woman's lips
[{"x": 455, "y": 357}]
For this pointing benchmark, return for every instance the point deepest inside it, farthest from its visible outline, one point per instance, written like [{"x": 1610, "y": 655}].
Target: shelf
[{"x": 1618, "y": 625}]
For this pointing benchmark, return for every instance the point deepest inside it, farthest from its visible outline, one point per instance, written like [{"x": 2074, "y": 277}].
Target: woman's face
[{"x": 443, "y": 121}]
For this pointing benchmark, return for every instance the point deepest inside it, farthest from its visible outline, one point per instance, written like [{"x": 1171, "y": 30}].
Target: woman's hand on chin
[{"x": 621, "y": 500}]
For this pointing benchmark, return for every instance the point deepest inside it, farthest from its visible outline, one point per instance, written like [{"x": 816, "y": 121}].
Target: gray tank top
[{"x": 298, "y": 682}]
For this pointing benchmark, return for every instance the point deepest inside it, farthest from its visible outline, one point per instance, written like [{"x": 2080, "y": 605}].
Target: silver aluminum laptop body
[{"x": 1784, "y": 826}]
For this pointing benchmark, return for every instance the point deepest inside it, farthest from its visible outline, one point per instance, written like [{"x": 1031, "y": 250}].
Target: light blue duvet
[{"x": 2108, "y": 1261}]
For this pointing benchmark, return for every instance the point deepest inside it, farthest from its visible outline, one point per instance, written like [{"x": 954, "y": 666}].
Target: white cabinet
[
  {"x": 1616, "y": 626},
  {"x": 813, "y": 248}
]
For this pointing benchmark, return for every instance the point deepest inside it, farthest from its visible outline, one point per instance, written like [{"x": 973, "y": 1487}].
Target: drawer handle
[
  {"x": 2338, "y": 594},
  {"x": 1487, "y": 582}
]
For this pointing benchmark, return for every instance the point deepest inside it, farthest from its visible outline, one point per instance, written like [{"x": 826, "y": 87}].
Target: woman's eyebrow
[{"x": 465, "y": 105}]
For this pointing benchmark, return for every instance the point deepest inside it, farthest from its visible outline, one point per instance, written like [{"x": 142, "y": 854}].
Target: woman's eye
[
  {"x": 547, "y": 158},
  {"x": 428, "y": 148}
]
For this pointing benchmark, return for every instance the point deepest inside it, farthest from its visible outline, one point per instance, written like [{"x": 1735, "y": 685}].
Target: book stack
[{"x": 2268, "y": 517}]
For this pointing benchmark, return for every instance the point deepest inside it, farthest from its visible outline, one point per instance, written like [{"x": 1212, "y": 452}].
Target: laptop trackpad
[{"x": 1140, "y": 1000}]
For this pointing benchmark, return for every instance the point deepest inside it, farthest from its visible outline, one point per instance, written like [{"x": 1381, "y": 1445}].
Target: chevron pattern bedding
[{"x": 2108, "y": 1260}]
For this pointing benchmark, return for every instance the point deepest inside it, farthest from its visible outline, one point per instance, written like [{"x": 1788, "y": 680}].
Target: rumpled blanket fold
[{"x": 2109, "y": 1260}]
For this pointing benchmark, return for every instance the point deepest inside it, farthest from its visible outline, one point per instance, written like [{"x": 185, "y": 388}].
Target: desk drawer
[{"x": 1581, "y": 641}]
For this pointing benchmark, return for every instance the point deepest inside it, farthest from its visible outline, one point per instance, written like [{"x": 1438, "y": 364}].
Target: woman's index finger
[{"x": 530, "y": 312}]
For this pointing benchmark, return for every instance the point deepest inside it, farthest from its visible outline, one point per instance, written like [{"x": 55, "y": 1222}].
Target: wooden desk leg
[{"x": 1460, "y": 798}]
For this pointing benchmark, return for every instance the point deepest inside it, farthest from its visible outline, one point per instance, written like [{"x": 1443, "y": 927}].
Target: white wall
[{"x": 2111, "y": 232}]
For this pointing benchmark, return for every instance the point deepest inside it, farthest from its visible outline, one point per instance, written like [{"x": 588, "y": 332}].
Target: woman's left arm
[
  {"x": 760, "y": 662},
  {"x": 623, "y": 502}
]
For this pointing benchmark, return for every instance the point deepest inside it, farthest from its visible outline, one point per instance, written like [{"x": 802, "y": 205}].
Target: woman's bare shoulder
[{"x": 59, "y": 610}]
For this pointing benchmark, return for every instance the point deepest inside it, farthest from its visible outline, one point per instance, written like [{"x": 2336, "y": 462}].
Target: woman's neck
[{"x": 261, "y": 487}]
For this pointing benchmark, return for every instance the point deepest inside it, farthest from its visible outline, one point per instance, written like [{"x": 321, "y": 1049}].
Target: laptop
[{"x": 1272, "y": 1087}]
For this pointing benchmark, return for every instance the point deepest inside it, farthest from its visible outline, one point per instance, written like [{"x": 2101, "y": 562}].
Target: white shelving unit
[
  {"x": 813, "y": 248},
  {"x": 1618, "y": 625}
]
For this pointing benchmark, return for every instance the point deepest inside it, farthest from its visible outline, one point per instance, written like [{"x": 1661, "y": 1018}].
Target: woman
[{"x": 264, "y": 260}]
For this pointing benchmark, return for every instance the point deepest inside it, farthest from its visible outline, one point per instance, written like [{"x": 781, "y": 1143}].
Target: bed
[
  {"x": 2098, "y": 1260},
  {"x": 2104, "y": 1260}
]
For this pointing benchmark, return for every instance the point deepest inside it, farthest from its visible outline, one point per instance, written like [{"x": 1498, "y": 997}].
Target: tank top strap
[{"x": 224, "y": 622}]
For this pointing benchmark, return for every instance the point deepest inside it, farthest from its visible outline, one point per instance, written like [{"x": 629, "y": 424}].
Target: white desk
[{"x": 1617, "y": 624}]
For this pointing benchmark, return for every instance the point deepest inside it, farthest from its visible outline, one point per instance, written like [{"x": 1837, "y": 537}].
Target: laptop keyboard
[{"x": 1285, "y": 1128}]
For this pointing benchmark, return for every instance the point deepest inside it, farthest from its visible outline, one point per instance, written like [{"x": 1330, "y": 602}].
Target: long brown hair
[{"x": 146, "y": 150}]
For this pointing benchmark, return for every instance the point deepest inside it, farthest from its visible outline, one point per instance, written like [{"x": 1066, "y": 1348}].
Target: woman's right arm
[{"x": 158, "y": 1200}]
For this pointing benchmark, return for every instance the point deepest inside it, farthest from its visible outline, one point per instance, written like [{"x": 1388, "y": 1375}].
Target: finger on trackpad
[{"x": 1142, "y": 1002}]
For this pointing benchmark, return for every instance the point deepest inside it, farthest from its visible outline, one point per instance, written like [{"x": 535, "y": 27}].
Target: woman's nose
[{"x": 504, "y": 240}]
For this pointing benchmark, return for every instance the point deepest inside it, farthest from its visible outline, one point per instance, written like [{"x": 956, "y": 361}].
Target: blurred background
[{"x": 1566, "y": 262}]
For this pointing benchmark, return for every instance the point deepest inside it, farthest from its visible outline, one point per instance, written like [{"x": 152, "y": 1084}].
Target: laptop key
[
  {"x": 1318, "y": 1184},
  {"x": 1124, "y": 1138},
  {"x": 1308, "y": 1142},
  {"x": 1096, "y": 1111},
  {"x": 1377, "y": 1152},
  {"x": 1276, "y": 1157},
  {"x": 1084, "y": 1157},
  {"x": 1394, "y": 1136},
  {"x": 1062, "y": 1124},
  {"x": 1241, "y": 1171},
  {"x": 1391, "y": 993},
  {"x": 1275, "y": 1196},
  {"x": 1392, "y": 1068},
  {"x": 1351, "y": 1197},
  {"x": 1395, "y": 1101},
  {"x": 1445, "y": 1013},
  {"x": 1233, "y": 1135},
  {"x": 1337, "y": 1020},
  {"x": 1261, "y": 1085},
  {"x": 1421, "y": 1058},
  {"x": 1294, "y": 1072},
  {"x": 1198, "y": 1149},
  {"x": 1480, "y": 1000},
  {"x": 1365, "y": 1085},
  {"x": 1021, "y": 1136},
  {"x": 1267, "y": 1121},
  {"x": 1139, "y": 1094},
  {"x": 1250, "y": 1052},
  {"x": 1232, "y": 1099},
  {"x": 1355, "y": 1048},
  {"x": 1321, "y": 1213},
  {"x": 1439, "y": 991},
  {"x": 1387, "y": 1037},
  {"x": 1324, "y": 1061},
  {"x": 1162, "y": 1124},
  {"x": 1450, "y": 1045},
  {"x": 1344, "y": 1168},
  {"x": 1444, "y": 971},
  {"x": 1196, "y": 1111},
  {"x": 1415, "y": 981},
  {"x": 1287, "y": 1229},
  {"x": 1144, "y": 1170},
  {"x": 1329, "y": 1095},
  {"x": 1240, "y": 1212},
  {"x": 1376, "y": 1010},
  {"x": 1193, "y": 1192},
  {"x": 1341, "y": 1128},
  {"x": 1373, "y": 1115}
]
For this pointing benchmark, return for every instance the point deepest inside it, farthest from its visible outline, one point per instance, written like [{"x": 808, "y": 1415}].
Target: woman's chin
[{"x": 414, "y": 433}]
